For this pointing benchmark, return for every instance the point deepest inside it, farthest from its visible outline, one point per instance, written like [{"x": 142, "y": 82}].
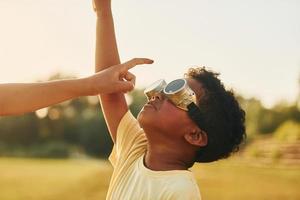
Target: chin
[
  {"x": 144, "y": 119},
  {"x": 141, "y": 118}
]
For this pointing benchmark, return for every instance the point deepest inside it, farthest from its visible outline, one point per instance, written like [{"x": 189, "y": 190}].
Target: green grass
[
  {"x": 235, "y": 180},
  {"x": 33, "y": 179},
  {"x": 26, "y": 179}
]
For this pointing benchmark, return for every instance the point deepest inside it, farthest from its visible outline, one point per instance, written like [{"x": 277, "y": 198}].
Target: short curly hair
[{"x": 221, "y": 117}]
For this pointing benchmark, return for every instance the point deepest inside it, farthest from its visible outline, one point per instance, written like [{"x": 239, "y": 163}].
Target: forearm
[
  {"x": 21, "y": 98},
  {"x": 106, "y": 45},
  {"x": 106, "y": 55}
]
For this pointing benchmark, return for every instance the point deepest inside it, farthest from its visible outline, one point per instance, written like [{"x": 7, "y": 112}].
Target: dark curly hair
[{"x": 219, "y": 115}]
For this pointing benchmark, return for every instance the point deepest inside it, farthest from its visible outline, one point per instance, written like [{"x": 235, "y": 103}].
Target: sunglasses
[{"x": 177, "y": 91}]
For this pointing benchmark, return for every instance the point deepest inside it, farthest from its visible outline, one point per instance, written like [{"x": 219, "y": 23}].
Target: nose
[{"x": 157, "y": 97}]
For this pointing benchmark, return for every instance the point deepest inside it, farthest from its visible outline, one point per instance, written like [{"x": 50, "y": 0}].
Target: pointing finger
[{"x": 136, "y": 61}]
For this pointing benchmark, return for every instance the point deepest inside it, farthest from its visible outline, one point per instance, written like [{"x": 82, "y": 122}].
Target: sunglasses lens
[
  {"x": 175, "y": 85},
  {"x": 154, "y": 88},
  {"x": 157, "y": 85}
]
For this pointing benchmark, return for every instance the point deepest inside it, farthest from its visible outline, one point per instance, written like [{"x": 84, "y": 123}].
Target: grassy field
[{"x": 26, "y": 179}]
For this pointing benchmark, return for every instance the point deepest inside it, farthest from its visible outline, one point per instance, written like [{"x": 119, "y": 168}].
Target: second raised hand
[
  {"x": 117, "y": 78},
  {"x": 99, "y": 5}
]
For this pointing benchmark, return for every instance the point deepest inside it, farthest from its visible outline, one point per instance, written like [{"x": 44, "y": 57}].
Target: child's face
[{"x": 161, "y": 116}]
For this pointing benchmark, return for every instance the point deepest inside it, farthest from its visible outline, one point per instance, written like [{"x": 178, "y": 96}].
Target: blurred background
[{"x": 255, "y": 46}]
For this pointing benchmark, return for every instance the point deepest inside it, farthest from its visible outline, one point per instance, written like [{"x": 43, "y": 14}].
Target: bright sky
[{"x": 254, "y": 44}]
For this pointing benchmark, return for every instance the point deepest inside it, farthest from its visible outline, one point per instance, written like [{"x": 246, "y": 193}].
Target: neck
[{"x": 163, "y": 158}]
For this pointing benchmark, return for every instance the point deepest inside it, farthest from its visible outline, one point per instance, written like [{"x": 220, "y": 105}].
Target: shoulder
[
  {"x": 128, "y": 123},
  {"x": 184, "y": 187}
]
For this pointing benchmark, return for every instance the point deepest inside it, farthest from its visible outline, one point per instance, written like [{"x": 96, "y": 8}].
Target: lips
[{"x": 150, "y": 105}]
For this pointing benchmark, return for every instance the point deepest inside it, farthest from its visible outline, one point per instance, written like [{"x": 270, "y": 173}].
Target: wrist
[
  {"x": 86, "y": 86},
  {"x": 90, "y": 86},
  {"x": 104, "y": 13},
  {"x": 103, "y": 10},
  {"x": 80, "y": 87}
]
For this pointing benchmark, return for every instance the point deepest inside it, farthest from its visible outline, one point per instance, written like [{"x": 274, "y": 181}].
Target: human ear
[{"x": 197, "y": 137}]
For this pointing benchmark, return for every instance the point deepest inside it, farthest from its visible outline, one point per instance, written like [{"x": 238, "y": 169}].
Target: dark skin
[{"x": 173, "y": 138}]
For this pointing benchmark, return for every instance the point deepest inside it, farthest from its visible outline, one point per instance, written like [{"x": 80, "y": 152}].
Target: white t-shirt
[{"x": 131, "y": 180}]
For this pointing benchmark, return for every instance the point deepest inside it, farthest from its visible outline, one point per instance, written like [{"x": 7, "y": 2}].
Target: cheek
[
  {"x": 169, "y": 113},
  {"x": 173, "y": 118}
]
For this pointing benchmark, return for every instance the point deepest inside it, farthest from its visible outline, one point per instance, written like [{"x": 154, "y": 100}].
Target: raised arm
[
  {"x": 114, "y": 105},
  {"x": 19, "y": 98}
]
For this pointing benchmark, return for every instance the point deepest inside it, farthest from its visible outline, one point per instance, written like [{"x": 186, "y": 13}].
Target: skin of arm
[
  {"x": 20, "y": 98},
  {"x": 107, "y": 55}
]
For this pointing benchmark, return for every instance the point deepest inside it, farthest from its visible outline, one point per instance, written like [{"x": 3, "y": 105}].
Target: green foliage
[
  {"x": 253, "y": 109},
  {"x": 138, "y": 101},
  {"x": 78, "y": 123},
  {"x": 50, "y": 150},
  {"x": 261, "y": 120},
  {"x": 288, "y": 132},
  {"x": 56, "y": 149},
  {"x": 26, "y": 126},
  {"x": 254, "y": 152}
]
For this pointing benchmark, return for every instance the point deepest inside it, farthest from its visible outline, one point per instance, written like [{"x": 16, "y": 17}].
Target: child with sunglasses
[{"x": 192, "y": 119}]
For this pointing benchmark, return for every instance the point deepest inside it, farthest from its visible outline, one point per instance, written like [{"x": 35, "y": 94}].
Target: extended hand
[
  {"x": 116, "y": 79},
  {"x": 101, "y": 4}
]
